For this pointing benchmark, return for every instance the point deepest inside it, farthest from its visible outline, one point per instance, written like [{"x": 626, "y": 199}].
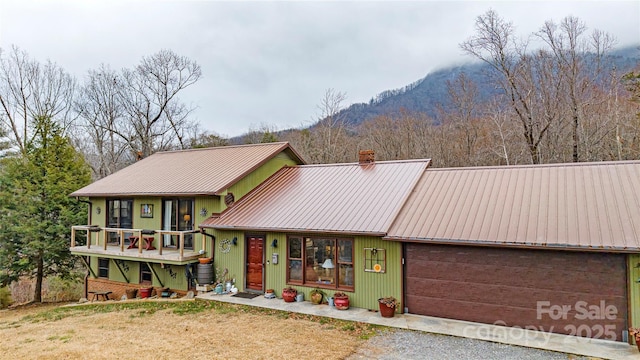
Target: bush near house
[{"x": 5, "y": 297}]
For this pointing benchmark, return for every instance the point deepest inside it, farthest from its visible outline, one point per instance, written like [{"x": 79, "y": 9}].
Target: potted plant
[
  {"x": 289, "y": 294},
  {"x": 341, "y": 301},
  {"x": 316, "y": 296},
  {"x": 388, "y": 306},
  {"x": 635, "y": 333}
]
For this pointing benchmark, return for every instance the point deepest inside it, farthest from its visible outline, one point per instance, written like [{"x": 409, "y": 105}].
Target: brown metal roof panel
[
  {"x": 586, "y": 205},
  {"x": 339, "y": 197},
  {"x": 195, "y": 171}
]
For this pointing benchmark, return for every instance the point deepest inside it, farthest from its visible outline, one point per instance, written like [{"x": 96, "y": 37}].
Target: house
[
  {"x": 550, "y": 247},
  {"x": 162, "y": 199}
]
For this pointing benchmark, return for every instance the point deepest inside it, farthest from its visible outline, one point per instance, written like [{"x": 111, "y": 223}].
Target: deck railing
[{"x": 101, "y": 237}]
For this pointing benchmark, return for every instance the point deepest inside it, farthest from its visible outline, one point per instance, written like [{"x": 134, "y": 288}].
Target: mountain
[{"x": 430, "y": 92}]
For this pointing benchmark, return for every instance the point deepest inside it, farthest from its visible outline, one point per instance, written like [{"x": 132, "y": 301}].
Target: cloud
[{"x": 270, "y": 62}]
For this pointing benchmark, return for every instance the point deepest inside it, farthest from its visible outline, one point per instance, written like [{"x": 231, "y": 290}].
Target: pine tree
[{"x": 36, "y": 209}]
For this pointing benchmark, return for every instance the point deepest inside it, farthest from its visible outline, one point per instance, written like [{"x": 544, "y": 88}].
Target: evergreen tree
[{"x": 36, "y": 209}]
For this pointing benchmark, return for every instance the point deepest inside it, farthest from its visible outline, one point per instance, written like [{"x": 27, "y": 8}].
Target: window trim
[
  {"x": 102, "y": 268},
  {"x": 303, "y": 259},
  {"x": 145, "y": 282}
]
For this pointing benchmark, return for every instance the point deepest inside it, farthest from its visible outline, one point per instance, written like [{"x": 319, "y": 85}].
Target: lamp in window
[
  {"x": 328, "y": 265},
  {"x": 187, "y": 218}
]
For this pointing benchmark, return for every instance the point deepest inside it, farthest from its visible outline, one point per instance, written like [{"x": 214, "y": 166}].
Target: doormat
[{"x": 245, "y": 295}]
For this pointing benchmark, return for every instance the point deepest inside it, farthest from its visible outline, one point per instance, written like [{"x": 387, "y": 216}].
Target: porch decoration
[
  {"x": 341, "y": 301},
  {"x": 289, "y": 294},
  {"x": 316, "y": 296},
  {"x": 387, "y": 306},
  {"x": 225, "y": 246},
  {"x": 635, "y": 333}
]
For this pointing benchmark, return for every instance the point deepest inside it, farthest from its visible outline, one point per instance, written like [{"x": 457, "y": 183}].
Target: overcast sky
[{"x": 270, "y": 62}]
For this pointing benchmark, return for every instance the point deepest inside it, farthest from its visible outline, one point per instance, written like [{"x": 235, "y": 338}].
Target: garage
[{"x": 567, "y": 292}]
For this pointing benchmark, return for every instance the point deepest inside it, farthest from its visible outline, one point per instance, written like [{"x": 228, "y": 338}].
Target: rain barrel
[{"x": 205, "y": 274}]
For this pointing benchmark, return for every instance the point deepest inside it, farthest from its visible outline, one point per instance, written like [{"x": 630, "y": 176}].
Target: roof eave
[
  {"x": 520, "y": 245},
  {"x": 294, "y": 230},
  {"x": 163, "y": 194}
]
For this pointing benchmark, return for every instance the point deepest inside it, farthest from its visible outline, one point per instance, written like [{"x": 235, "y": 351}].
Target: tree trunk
[{"x": 37, "y": 296}]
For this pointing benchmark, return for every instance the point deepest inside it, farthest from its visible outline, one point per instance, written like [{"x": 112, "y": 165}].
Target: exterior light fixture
[
  {"x": 234, "y": 241},
  {"x": 274, "y": 243}
]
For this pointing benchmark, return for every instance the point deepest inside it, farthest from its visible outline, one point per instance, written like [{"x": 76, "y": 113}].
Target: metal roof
[
  {"x": 337, "y": 198},
  {"x": 187, "y": 172},
  {"x": 582, "y": 206}
]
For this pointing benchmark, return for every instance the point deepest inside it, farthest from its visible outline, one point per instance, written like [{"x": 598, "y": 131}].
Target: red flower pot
[
  {"x": 289, "y": 295},
  {"x": 386, "y": 311},
  {"x": 341, "y": 302}
]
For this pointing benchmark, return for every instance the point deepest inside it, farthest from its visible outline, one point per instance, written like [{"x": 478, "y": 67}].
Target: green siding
[
  {"x": 255, "y": 178},
  {"x": 368, "y": 286},
  {"x": 233, "y": 261}
]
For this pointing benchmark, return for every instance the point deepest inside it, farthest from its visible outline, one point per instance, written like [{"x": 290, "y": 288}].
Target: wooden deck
[{"x": 169, "y": 255}]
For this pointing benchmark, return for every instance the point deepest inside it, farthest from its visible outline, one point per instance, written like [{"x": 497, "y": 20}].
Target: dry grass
[{"x": 178, "y": 329}]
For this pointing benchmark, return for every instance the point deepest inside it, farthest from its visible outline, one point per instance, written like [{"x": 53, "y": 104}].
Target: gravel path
[{"x": 406, "y": 344}]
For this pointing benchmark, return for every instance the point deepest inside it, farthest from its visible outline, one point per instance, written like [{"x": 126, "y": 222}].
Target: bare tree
[
  {"x": 31, "y": 90},
  {"x": 136, "y": 112},
  {"x": 100, "y": 106},
  {"x": 157, "y": 119},
  {"x": 571, "y": 52},
  {"x": 494, "y": 43},
  {"x": 328, "y": 140}
]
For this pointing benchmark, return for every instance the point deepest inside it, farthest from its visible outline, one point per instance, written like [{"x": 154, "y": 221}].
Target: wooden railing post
[
  {"x": 161, "y": 242},
  {"x": 73, "y": 236},
  {"x": 181, "y": 245}
]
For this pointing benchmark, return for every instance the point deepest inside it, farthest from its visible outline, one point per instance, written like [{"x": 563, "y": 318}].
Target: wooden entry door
[{"x": 255, "y": 263}]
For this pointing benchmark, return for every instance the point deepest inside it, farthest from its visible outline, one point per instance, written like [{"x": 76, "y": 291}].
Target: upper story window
[
  {"x": 119, "y": 215},
  {"x": 320, "y": 261},
  {"x": 178, "y": 215}
]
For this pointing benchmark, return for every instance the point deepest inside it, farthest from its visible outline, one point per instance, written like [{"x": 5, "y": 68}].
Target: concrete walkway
[{"x": 513, "y": 336}]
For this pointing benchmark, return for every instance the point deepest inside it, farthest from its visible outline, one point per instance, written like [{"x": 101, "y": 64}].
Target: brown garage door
[{"x": 565, "y": 292}]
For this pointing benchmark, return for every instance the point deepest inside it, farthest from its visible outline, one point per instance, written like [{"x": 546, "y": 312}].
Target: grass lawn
[{"x": 173, "y": 329}]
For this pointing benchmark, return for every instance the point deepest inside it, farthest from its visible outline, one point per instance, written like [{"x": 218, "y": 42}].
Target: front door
[{"x": 255, "y": 263}]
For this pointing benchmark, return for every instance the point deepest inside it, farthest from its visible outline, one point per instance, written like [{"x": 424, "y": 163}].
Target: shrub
[
  {"x": 59, "y": 289},
  {"x": 5, "y": 297}
]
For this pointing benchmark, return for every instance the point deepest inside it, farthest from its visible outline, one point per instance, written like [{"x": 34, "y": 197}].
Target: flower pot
[
  {"x": 316, "y": 298},
  {"x": 204, "y": 260},
  {"x": 387, "y": 311},
  {"x": 131, "y": 293},
  {"x": 289, "y": 295},
  {"x": 145, "y": 292},
  {"x": 341, "y": 302},
  {"x": 637, "y": 337}
]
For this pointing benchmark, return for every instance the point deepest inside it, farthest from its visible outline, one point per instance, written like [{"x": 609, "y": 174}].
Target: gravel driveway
[{"x": 407, "y": 344}]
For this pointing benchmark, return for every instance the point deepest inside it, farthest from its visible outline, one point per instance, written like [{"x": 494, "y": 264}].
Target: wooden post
[
  {"x": 121, "y": 238},
  {"x": 181, "y": 245},
  {"x": 160, "y": 242},
  {"x": 140, "y": 241},
  {"x": 73, "y": 237}
]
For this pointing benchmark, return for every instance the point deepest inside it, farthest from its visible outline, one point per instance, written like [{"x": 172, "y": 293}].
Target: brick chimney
[{"x": 366, "y": 157}]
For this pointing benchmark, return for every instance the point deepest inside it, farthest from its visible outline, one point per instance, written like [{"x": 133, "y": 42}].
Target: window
[
  {"x": 103, "y": 268},
  {"x": 145, "y": 274},
  {"x": 177, "y": 215},
  {"x": 320, "y": 261},
  {"x": 119, "y": 215}
]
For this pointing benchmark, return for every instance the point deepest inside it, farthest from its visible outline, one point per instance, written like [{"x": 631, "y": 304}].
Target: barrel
[{"x": 205, "y": 274}]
